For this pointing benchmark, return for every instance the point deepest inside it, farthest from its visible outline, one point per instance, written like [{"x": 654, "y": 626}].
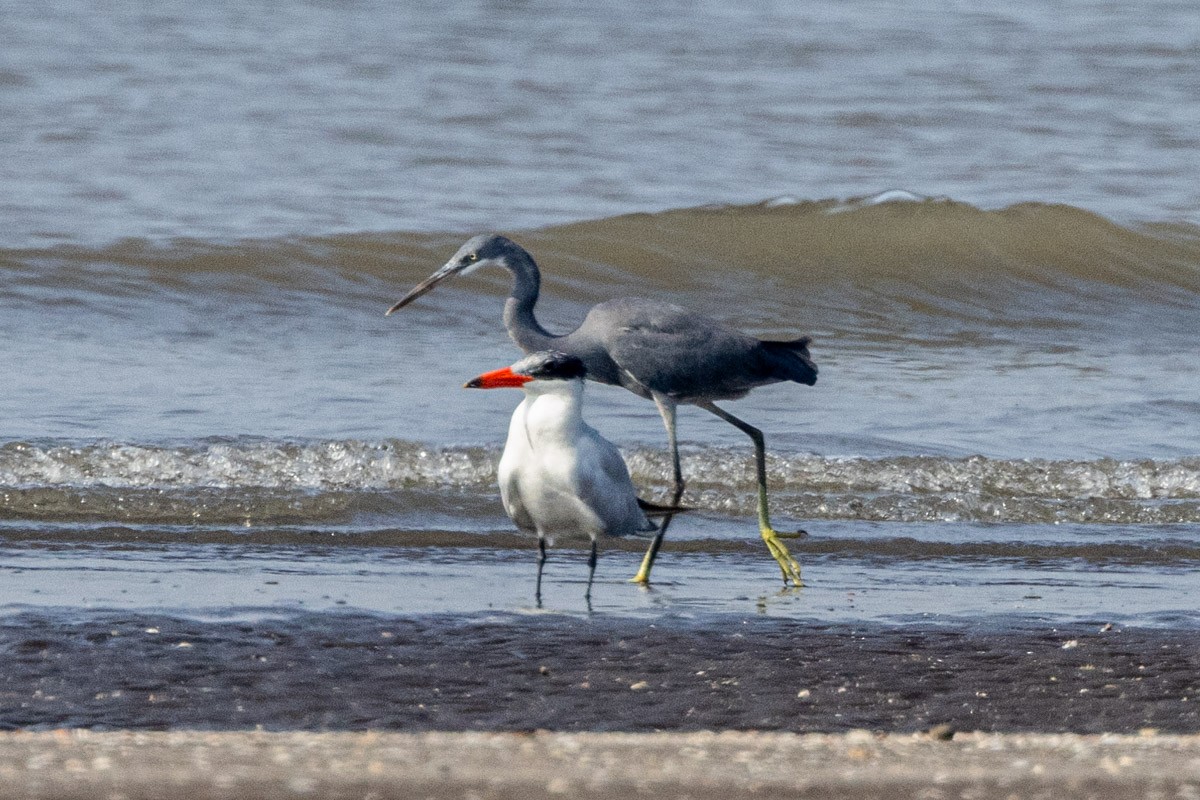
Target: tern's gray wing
[{"x": 605, "y": 487}]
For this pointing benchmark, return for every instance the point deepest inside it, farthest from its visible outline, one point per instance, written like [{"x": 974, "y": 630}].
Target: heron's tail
[{"x": 792, "y": 361}]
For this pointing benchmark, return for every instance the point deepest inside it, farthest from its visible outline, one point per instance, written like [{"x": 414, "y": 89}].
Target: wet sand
[
  {"x": 72, "y": 764},
  {"x": 506, "y": 672}
]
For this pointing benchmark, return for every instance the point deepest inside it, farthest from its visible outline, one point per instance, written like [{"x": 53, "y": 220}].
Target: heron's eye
[{"x": 470, "y": 258}]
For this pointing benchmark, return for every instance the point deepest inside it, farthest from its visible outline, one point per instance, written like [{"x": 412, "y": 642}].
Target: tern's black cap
[{"x": 550, "y": 365}]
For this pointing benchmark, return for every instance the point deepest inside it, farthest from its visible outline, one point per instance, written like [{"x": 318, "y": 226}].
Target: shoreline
[{"x": 69, "y": 764}]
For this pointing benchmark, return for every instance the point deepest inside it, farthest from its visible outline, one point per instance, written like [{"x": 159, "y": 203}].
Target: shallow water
[
  {"x": 208, "y": 210},
  {"x": 248, "y": 582}
]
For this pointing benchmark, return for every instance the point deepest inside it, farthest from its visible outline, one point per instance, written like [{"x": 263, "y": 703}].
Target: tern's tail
[
  {"x": 791, "y": 360},
  {"x": 655, "y": 510}
]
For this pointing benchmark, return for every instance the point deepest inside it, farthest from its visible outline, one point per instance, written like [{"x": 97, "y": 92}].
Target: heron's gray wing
[{"x": 664, "y": 348}]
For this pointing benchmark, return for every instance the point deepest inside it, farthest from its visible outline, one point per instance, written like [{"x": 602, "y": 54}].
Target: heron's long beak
[
  {"x": 447, "y": 271},
  {"x": 498, "y": 379}
]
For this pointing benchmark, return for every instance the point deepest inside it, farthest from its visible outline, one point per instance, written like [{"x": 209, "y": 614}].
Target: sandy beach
[{"x": 78, "y": 764}]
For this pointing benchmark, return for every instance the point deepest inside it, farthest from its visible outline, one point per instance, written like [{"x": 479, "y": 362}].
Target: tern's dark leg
[
  {"x": 591, "y": 572},
  {"x": 787, "y": 565},
  {"x": 666, "y": 408},
  {"x": 541, "y": 562}
]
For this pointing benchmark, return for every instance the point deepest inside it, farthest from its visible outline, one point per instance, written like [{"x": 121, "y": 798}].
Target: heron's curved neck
[{"x": 519, "y": 320}]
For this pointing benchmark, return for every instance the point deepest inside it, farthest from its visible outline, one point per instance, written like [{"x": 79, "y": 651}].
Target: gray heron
[
  {"x": 558, "y": 476},
  {"x": 657, "y": 350}
]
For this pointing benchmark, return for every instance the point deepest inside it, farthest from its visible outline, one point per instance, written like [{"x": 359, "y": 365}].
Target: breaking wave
[{"x": 260, "y": 481}]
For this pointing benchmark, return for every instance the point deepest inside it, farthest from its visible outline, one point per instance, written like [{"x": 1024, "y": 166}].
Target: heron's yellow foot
[
  {"x": 789, "y": 566},
  {"x": 796, "y": 535}
]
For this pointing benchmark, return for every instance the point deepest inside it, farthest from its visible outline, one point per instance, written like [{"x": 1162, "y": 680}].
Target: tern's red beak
[{"x": 498, "y": 379}]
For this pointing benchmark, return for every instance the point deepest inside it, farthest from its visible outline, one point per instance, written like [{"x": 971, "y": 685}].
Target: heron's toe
[{"x": 789, "y": 566}]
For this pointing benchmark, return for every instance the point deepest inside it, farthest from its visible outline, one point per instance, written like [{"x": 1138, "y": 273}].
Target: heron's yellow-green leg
[
  {"x": 775, "y": 546},
  {"x": 787, "y": 564},
  {"x": 643, "y": 573},
  {"x": 666, "y": 408}
]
